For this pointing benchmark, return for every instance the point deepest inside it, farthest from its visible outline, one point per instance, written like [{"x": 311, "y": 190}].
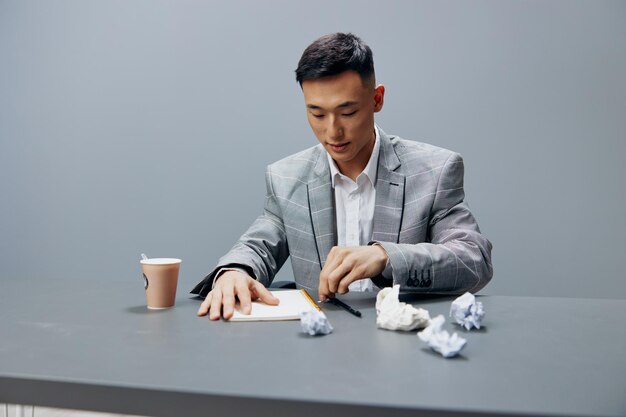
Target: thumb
[{"x": 265, "y": 295}]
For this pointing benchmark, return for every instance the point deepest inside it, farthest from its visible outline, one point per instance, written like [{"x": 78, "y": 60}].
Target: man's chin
[{"x": 340, "y": 157}]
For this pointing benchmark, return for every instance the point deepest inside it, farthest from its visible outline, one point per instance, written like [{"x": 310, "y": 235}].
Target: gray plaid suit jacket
[{"x": 432, "y": 239}]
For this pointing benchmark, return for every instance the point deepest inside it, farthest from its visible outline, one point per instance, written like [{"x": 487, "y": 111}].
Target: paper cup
[{"x": 160, "y": 279}]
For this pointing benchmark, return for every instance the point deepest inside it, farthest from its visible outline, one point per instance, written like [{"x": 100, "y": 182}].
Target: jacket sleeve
[
  {"x": 261, "y": 251},
  {"x": 457, "y": 257}
]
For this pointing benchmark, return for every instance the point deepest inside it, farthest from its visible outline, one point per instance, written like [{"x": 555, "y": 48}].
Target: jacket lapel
[
  {"x": 322, "y": 208},
  {"x": 389, "y": 194}
]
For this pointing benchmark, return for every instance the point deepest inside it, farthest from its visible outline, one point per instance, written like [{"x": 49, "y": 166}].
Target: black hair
[{"x": 333, "y": 54}]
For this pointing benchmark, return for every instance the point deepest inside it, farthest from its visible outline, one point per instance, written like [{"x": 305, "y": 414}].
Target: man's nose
[{"x": 334, "y": 129}]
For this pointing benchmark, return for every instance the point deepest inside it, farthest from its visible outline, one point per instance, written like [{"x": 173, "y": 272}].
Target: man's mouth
[{"x": 340, "y": 147}]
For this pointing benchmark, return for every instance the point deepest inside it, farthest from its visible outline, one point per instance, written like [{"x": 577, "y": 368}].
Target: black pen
[{"x": 343, "y": 305}]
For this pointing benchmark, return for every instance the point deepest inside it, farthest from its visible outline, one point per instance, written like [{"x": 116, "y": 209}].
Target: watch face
[{"x": 146, "y": 281}]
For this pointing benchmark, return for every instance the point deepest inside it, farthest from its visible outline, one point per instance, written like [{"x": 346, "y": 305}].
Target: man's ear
[{"x": 379, "y": 98}]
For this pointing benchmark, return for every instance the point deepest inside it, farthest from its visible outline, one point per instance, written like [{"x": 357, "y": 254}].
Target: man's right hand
[{"x": 229, "y": 285}]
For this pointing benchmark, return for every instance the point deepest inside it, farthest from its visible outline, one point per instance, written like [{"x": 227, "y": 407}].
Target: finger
[
  {"x": 332, "y": 261},
  {"x": 265, "y": 295},
  {"x": 322, "y": 290},
  {"x": 204, "y": 307},
  {"x": 243, "y": 293},
  {"x": 340, "y": 271},
  {"x": 345, "y": 282},
  {"x": 216, "y": 305},
  {"x": 253, "y": 292},
  {"x": 228, "y": 303},
  {"x": 335, "y": 257},
  {"x": 338, "y": 274}
]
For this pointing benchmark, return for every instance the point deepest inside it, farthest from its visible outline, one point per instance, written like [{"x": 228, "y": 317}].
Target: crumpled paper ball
[
  {"x": 395, "y": 315},
  {"x": 314, "y": 322},
  {"x": 440, "y": 340},
  {"x": 467, "y": 312}
]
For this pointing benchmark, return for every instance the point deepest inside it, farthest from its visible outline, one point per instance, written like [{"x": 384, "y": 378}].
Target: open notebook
[{"x": 292, "y": 302}]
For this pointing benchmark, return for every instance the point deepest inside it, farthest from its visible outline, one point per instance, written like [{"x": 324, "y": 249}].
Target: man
[{"x": 359, "y": 210}]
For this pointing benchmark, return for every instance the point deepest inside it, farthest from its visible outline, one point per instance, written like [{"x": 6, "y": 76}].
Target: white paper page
[{"x": 292, "y": 302}]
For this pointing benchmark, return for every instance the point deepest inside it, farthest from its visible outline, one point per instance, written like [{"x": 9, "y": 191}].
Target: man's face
[{"x": 340, "y": 110}]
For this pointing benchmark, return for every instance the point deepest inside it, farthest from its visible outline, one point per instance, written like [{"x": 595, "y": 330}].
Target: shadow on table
[
  {"x": 142, "y": 309},
  {"x": 461, "y": 330},
  {"x": 431, "y": 352}
]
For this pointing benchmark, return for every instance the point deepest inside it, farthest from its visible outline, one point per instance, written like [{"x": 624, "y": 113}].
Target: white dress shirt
[{"x": 354, "y": 206}]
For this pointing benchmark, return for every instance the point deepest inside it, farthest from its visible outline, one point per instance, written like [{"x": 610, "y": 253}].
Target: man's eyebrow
[
  {"x": 341, "y": 106},
  {"x": 347, "y": 104}
]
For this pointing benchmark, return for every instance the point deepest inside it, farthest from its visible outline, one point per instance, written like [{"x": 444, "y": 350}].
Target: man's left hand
[{"x": 345, "y": 265}]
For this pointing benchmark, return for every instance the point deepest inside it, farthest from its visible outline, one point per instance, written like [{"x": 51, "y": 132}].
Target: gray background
[{"x": 145, "y": 126}]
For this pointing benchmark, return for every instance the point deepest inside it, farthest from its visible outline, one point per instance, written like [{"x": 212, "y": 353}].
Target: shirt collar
[{"x": 370, "y": 170}]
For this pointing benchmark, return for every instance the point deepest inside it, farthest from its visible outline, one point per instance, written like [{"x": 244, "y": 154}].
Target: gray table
[{"x": 91, "y": 344}]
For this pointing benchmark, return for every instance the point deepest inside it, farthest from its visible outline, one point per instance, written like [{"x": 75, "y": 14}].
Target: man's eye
[
  {"x": 349, "y": 114},
  {"x": 318, "y": 116}
]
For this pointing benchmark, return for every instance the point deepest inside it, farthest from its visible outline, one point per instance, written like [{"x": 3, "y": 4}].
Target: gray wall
[{"x": 130, "y": 126}]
